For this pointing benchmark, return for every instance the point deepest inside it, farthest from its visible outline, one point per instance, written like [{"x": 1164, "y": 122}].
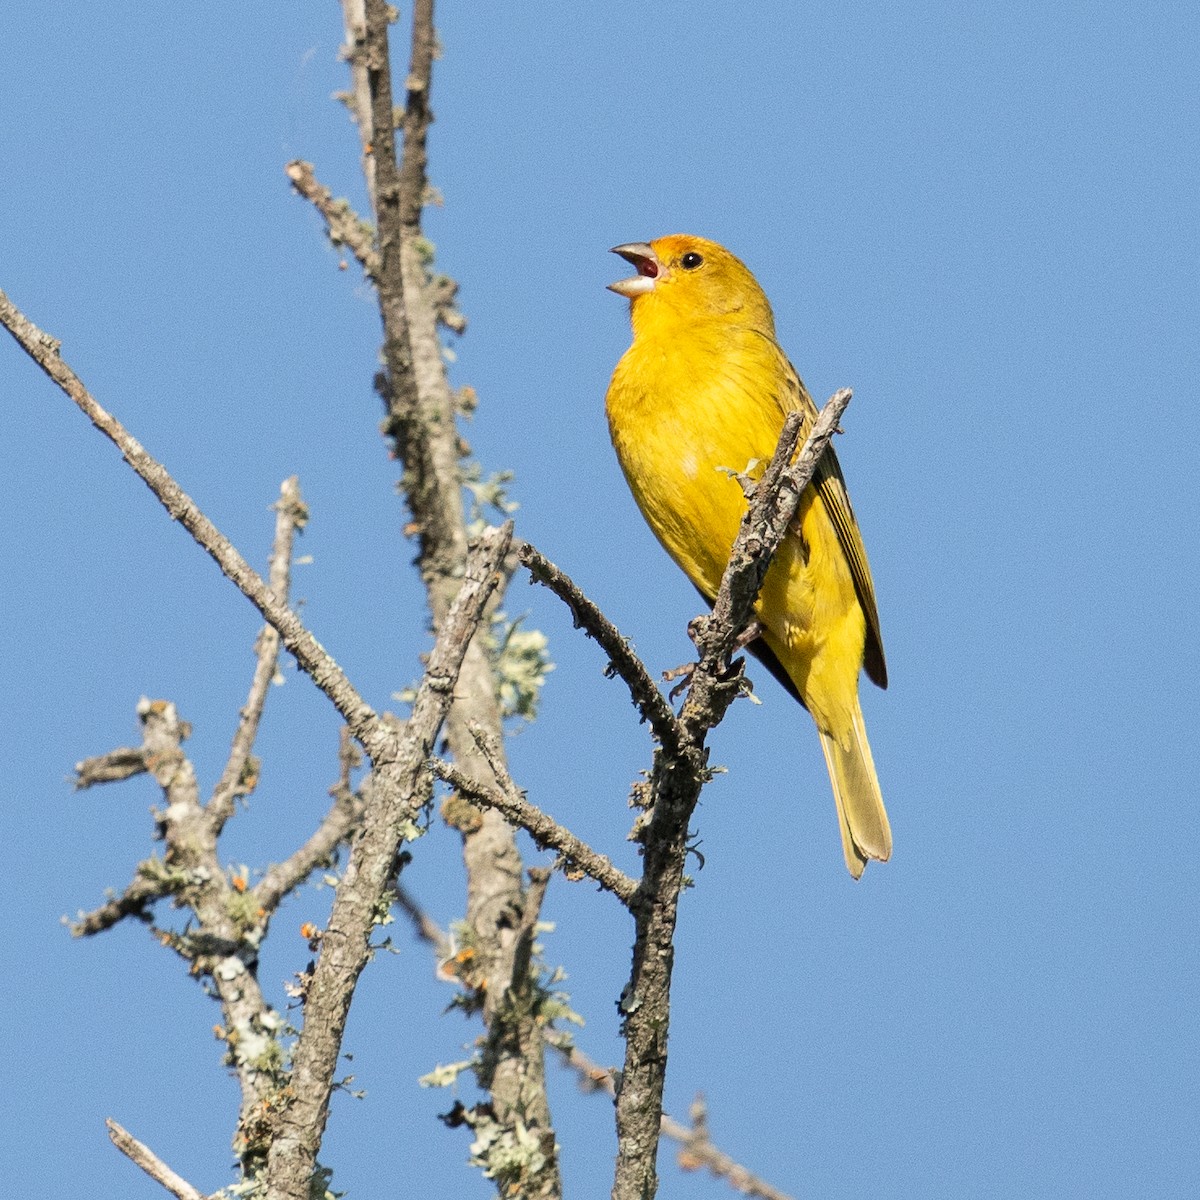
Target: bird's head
[{"x": 683, "y": 279}]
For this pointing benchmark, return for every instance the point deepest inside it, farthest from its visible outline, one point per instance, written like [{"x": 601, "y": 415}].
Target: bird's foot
[
  {"x": 684, "y": 674},
  {"x": 751, "y": 633}
]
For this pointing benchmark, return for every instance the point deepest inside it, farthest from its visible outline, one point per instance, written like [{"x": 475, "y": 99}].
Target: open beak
[{"x": 641, "y": 256}]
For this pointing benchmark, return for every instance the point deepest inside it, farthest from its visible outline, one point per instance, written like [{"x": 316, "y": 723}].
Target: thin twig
[
  {"x": 344, "y": 226},
  {"x": 697, "y": 1151},
  {"x": 426, "y": 928},
  {"x": 154, "y": 1166},
  {"x": 595, "y": 1078},
  {"x": 535, "y": 895},
  {"x": 335, "y": 827},
  {"x": 113, "y": 767},
  {"x": 291, "y": 515},
  {"x": 149, "y": 885},
  {"x": 646, "y": 697},
  {"x": 696, "y": 1147},
  {"x": 542, "y": 828}
]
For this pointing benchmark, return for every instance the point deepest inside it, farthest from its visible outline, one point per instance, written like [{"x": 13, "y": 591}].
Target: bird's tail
[{"x": 862, "y": 818}]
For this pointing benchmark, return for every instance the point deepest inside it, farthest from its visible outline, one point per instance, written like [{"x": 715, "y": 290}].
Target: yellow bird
[{"x": 704, "y": 389}]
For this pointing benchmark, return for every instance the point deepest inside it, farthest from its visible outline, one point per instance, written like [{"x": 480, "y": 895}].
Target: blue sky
[{"x": 983, "y": 219}]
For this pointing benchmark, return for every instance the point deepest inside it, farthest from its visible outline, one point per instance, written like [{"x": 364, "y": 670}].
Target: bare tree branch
[
  {"x": 674, "y": 788},
  {"x": 400, "y": 789},
  {"x": 156, "y": 878},
  {"x": 507, "y": 799},
  {"x": 696, "y": 1147},
  {"x": 420, "y": 405},
  {"x": 291, "y": 515},
  {"x": 149, "y": 884},
  {"x": 335, "y": 827},
  {"x": 358, "y": 101},
  {"x": 390, "y": 755},
  {"x": 309, "y": 653},
  {"x": 587, "y": 616},
  {"x": 150, "y": 1163},
  {"x": 426, "y": 928},
  {"x": 113, "y": 767},
  {"x": 422, "y": 413},
  {"x": 281, "y": 1126},
  {"x": 695, "y": 1142},
  {"x": 697, "y": 1151},
  {"x": 223, "y": 944},
  {"x": 344, "y": 226}
]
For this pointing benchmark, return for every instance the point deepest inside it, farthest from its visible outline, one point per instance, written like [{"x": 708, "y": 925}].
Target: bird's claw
[
  {"x": 751, "y": 633},
  {"x": 684, "y": 674}
]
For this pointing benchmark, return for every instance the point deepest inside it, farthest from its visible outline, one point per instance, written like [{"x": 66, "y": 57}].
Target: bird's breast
[{"x": 682, "y": 419}]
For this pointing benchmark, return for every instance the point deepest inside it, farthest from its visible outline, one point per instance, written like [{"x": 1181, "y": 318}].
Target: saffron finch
[{"x": 704, "y": 389}]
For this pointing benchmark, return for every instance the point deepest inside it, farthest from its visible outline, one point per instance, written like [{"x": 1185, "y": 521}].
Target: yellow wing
[{"x": 831, "y": 487}]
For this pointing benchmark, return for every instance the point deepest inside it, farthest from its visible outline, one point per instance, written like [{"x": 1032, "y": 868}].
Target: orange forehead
[{"x": 676, "y": 244}]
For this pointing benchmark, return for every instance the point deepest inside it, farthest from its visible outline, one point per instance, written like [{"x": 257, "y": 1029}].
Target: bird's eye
[{"x": 690, "y": 261}]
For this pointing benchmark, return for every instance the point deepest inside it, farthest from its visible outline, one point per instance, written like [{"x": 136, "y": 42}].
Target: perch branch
[
  {"x": 674, "y": 789},
  {"x": 763, "y": 527}
]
